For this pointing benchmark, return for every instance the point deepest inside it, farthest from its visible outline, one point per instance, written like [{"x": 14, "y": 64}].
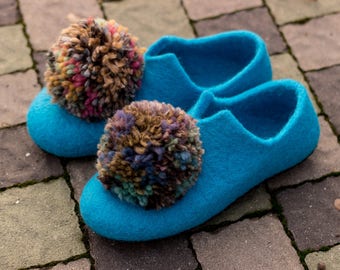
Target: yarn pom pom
[
  {"x": 94, "y": 68},
  {"x": 150, "y": 154}
]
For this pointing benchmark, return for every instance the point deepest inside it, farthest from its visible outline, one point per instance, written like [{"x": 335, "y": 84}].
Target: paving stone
[
  {"x": 14, "y": 53},
  {"x": 337, "y": 204},
  {"x": 257, "y": 20},
  {"x": 294, "y": 10},
  {"x": 53, "y": 16},
  {"x": 41, "y": 59},
  {"x": 149, "y": 20},
  {"x": 16, "y": 93},
  {"x": 80, "y": 170},
  {"x": 331, "y": 259},
  {"x": 315, "y": 43},
  {"x": 198, "y": 9},
  {"x": 284, "y": 66},
  {"x": 310, "y": 213},
  {"x": 257, "y": 244},
  {"x": 326, "y": 83},
  {"x": 82, "y": 264},
  {"x": 38, "y": 225},
  {"x": 8, "y": 12},
  {"x": 324, "y": 160},
  {"x": 21, "y": 160},
  {"x": 254, "y": 201},
  {"x": 167, "y": 254}
]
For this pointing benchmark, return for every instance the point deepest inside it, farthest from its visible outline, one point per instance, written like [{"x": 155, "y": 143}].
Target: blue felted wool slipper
[
  {"x": 94, "y": 68},
  {"x": 151, "y": 155},
  {"x": 178, "y": 70},
  {"x": 58, "y": 132}
]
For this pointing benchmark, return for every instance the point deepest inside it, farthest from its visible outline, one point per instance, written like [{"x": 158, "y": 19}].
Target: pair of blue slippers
[{"x": 250, "y": 128}]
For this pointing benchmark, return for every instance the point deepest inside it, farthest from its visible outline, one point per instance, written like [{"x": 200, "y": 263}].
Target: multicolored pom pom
[
  {"x": 150, "y": 154},
  {"x": 94, "y": 68}
]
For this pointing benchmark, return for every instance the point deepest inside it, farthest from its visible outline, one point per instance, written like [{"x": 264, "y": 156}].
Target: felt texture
[
  {"x": 178, "y": 70},
  {"x": 60, "y": 133},
  {"x": 247, "y": 138}
]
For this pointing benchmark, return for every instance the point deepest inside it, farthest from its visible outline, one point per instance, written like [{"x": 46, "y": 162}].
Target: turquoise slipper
[
  {"x": 94, "y": 68},
  {"x": 178, "y": 70},
  {"x": 158, "y": 177},
  {"x": 88, "y": 79}
]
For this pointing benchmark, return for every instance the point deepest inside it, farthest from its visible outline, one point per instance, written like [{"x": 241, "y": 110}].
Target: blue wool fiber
[
  {"x": 247, "y": 139},
  {"x": 60, "y": 133},
  {"x": 178, "y": 70}
]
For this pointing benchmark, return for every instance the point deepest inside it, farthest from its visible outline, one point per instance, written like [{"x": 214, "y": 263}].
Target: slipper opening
[
  {"x": 264, "y": 114},
  {"x": 210, "y": 62}
]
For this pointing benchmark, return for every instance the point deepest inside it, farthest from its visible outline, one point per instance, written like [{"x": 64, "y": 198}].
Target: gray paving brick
[
  {"x": 293, "y": 10},
  {"x": 330, "y": 258},
  {"x": 284, "y": 66},
  {"x": 310, "y": 213},
  {"x": 257, "y": 20},
  {"x": 8, "y": 12},
  {"x": 21, "y": 160},
  {"x": 46, "y": 18},
  {"x": 257, "y": 244},
  {"x": 326, "y": 86},
  {"x": 38, "y": 225},
  {"x": 80, "y": 170},
  {"x": 82, "y": 264},
  {"x": 254, "y": 201},
  {"x": 168, "y": 254},
  {"x": 16, "y": 93},
  {"x": 40, "y": 58},
  {"x": 14, "y": 53},
  {"x": 198, "y": 9},
  {"x": 149, "y": 20},
  {"x": 315, "y": 43},
  {"x": 324, "y": 160}
]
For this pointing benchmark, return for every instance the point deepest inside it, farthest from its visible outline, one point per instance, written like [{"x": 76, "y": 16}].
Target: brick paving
[{"x": 288, "y": 222}]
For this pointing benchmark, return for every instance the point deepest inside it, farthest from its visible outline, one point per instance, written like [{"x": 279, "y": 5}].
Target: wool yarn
[
  {"x": 94, "y": 68},
  {"x": 150, "y": 154}
]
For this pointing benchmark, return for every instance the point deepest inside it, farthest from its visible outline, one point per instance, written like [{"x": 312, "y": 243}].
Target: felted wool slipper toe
[
  {"x": 178, "y": 70},
  {"x": 58, "y": 132},
  {"x": 160, "y": 172},
  {"x": 94, "y": 68}
]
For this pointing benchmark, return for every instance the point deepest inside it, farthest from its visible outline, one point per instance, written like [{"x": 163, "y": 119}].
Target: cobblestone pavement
[{"x": 289, "y": 222}]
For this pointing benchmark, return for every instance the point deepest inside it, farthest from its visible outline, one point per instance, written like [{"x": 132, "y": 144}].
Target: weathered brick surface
[
  {"x": 8, "y": 12},
  {"x": 198, "y": 9},
  {"x": 82, "y": 264},
  {"x": 168, "y": 254},
  {"x": 310, "y": 213},
  {"x": 16, "y": 93},
  {"x": 324, "y": 160},
  {"x": 257, "y": 244},
  {"x": 293, "y": 10},
  {"x": 80, "y": 170},
  {"x": 14, "y": 53},
  {"x": 38, "y": 225},
  {"x": 46, "y": 18},
  {"x": 40, "y": 58},
  {"x": 315, "y": 43},
  {"x": 21, "y": 160},
  {"x": 149, "y": 20},
  {"x": 257, "y": 20},
  {"x": 254, "y": 201},
  {"x": 330, "y": 258},
  {"x": 326, "y": 84}
]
